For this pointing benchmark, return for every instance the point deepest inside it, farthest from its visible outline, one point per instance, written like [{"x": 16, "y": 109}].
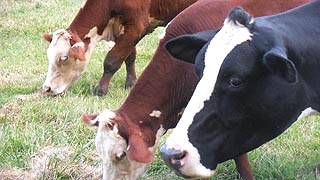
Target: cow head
[
  {"x": 68, "y": 58},
  {"x": 122, "y": 158},
  {"x": 247, "y": 95}
]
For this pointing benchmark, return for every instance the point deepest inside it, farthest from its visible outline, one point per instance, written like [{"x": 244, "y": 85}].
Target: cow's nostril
[
  {"x": 46, "y": 89},
  {"x": 179, "y": 155},
  {"x": 172, "y": 157}
]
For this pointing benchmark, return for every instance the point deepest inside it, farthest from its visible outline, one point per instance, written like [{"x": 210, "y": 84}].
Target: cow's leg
[
  {"x": 243, "y": 167},
  {"x": 111, "y": 65},
  {"x": 125, "y": 45},
  {"x": 131, "y": 71}
]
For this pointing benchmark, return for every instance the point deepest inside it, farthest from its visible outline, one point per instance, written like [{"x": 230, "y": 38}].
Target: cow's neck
[
  {"x": 94, "y": 13},
  {"x": 159, "y": 98}
]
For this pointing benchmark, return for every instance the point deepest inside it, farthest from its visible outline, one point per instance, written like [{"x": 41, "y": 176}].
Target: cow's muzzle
[
  {"x": 46, "y": 89},
  {"x": 174, "y": 159}
]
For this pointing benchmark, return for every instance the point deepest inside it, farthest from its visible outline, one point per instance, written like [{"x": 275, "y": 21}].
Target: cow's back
[
  {"x": 212, "y": 17},
  {"x": 167, "y": 9}
]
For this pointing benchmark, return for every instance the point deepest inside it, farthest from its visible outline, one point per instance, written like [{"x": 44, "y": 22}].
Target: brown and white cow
[
  {"x": 123, "y": 22},
  {"x": 127, "y": 137}
]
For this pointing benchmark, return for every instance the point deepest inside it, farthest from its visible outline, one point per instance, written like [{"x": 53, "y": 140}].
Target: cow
[
  {"x": 156, "y": 101},
  {"x": 258, "y": 76},
  {"x": 123, "y": 22}
]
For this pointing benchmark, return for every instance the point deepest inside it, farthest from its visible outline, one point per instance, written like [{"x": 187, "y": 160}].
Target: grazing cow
[
  {"x": 123, "y": 21},
  {"x": 259, "y": 75},
  {"x": 155, "y": 102}
]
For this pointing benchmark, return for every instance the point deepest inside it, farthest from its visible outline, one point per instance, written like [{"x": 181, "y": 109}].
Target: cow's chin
[
  {"x": 182, "y": 156},
  {"x": 194, "y": 171},
  {"x": 58, "y": 93},
  {"x": 192, "y": 168},
  {"x": 59, "y": 88}
]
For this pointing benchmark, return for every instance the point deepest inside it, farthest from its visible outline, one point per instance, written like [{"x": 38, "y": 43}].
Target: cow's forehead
[
  {"x": 230, "y": 35},
  {"x": 106, "y": 118},
  {"x": 59, "y": 45},
  {"x": 60, "y": 34}
]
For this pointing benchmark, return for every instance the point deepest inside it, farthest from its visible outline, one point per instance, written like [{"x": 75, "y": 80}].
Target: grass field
[{"x": 42, "y": 137}]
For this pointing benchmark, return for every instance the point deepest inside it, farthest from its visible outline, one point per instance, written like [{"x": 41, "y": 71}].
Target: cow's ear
[
  {"x": 90, "y": 120},
  {"x": 47, "y": 37},
  {"x": 186, "y": 47},
  {"x": 277, "y": 62},
  {"x": 78, "y": 51},
  {"x": 138, "y": 150}
]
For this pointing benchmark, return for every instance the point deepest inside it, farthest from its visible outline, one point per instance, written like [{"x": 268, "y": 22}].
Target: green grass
[{"x": 39, "y": 131}]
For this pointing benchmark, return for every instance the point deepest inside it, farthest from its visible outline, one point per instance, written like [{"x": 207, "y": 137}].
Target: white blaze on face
[
  {"x": 109, "y": 144},
  {"x": 220, "y": 46}
]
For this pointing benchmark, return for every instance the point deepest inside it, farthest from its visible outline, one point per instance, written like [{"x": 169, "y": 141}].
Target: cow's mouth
[{"x": 52, "y": 93}]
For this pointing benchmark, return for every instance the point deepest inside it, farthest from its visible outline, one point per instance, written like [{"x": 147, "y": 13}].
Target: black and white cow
[{"x": 258, "y": 76}]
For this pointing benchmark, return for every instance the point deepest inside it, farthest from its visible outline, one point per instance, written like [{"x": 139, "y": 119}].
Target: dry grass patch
[
  {"x": 36, "y": 94},
  {"x": 49, "y": 162}
]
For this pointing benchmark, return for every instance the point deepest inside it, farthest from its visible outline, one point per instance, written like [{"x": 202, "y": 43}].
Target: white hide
[
  {"x": 308, "y": 112},
  {"x": 220, "y": 46},
  {"x": 155, "y": 113}
]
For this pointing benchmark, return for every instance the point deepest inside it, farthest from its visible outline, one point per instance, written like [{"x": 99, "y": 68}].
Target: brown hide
[
  {"x": 98, "y": 13},
  {"x": 169, "y": 9},
  {"x": 93, "y": 13},
  {"x": 135, "y": 19},
  {"x": 47, "y": 37}
]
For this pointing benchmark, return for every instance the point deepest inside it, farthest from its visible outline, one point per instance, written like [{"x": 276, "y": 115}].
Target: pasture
[{"x": 42, "y": 137}]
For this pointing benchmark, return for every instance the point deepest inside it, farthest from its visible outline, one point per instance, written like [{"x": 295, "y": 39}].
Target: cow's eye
[
  {"x": 236, "y": 82},
  {"x": 64, "y": 58},
  {"x": 120, "y": 156}
]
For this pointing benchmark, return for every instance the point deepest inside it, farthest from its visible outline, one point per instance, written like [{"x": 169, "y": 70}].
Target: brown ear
[
  {"x": 47, "y": 37},
  {"x": 77, "y": 51},
  {"x": 90, "y": 119},
  {"x": 75, "y": 37},
  {"x": 138, "y": 150}
]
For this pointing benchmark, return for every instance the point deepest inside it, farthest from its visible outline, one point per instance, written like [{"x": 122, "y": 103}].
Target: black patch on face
[
  {"x": 199, "y": 62},
  {"x": 237, "y": 119}
]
